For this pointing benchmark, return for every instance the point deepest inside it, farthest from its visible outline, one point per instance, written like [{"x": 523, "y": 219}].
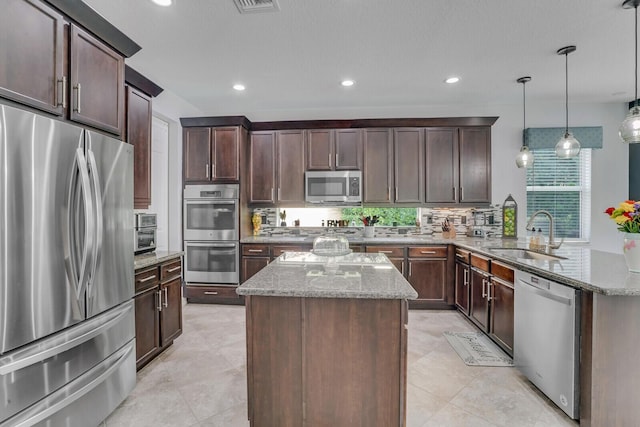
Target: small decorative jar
[
  {"x": 256, "y": 220},
  {"x": 510, "y": 218}
]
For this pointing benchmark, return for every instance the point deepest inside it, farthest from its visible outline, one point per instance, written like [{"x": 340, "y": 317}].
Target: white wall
[{"x": 610, "y": 165}]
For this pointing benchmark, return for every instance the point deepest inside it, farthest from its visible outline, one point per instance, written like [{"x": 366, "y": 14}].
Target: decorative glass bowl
[{"x": 331, "y": 246}]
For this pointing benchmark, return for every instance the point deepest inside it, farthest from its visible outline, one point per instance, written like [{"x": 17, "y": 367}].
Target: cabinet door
[
  {"x": 97, "y": 83},
  {"x": 290, "y": 164},
  {"x": 262, "y": 152},
  {"x": 502, "y": 299},
  {"x": 147, "y": 325},
  {"x": 398, "y": 263},
  {"x": 408, "y": 150},
  {"x": 32, "y": 54},
  {"x": 479, "y": 305},
  {"x": 320, "y": 150},
  {"x": 139, "y": 135},
  {"x": 378, "y": 166},
  {"x": 348, "y": 149},
  {"x": 251, "y": 265},
  {"x": 196, "y": 154},
  {"x": 226, "y": 155},
  {"x": 171, "y": 314},
  {"x": 429, "y": 278},
  {"x": 462, "y": 287},
  {"x": 475, "y": 165},
  {"x": 441, "y": 166}
]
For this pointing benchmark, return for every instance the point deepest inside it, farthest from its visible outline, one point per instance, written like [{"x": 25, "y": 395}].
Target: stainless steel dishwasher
[{"x": 547, "y": 338}]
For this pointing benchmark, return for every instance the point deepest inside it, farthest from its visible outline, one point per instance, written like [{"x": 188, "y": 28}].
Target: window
[{"x": 562, "y": 187}]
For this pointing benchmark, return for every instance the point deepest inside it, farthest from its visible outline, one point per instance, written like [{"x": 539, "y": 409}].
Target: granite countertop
[
  {"x": 584, "y": 268},
  {"x": 303, "y": 274},
  {"x": 152, "y": 258}
]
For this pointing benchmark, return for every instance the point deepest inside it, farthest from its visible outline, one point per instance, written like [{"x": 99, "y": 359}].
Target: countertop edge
[{"x": 149, "y": 259}]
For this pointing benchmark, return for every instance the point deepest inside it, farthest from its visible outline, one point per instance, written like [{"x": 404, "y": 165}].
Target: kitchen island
[{"x": 327, "y": 341}]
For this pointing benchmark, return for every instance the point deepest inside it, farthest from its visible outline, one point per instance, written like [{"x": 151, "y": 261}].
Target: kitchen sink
[{"x": 522, "y": 253}]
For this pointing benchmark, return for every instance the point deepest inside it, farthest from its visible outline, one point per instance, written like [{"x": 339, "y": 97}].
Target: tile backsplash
[{"x": 488, "y": 220}]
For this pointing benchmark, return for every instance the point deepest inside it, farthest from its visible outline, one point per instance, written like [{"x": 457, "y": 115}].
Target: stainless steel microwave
[{"x": 333, "y": 187}]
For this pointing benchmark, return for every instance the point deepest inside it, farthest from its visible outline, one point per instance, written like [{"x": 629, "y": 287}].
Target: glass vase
[{"x": 631, "y": 250}]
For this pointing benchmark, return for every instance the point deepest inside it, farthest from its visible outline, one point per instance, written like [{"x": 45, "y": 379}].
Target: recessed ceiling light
[
  {"x": 163, "y": 2},
  {"x": 452, "y": 80},
  {"x": 239, "y": 87},
  {"x": 347, "y": 83}
]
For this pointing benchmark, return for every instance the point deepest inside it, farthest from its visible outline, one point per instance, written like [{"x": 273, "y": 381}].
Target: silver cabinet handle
[
  {"x": 329, "y": 160},
  {"x": 484, "y": 282},
  {"x": 385, "y": 252},
  {"x": 465, "y": 277},
  {"x": 166, "y": 297},
  {"x": 206, "y": 170},
  {"x": 159, "y": 294},
  {"x": 77, "y": 88},
  {"x": 278, "y": 194},
  {"x": 489, "y": 297},
  {"x": 454, "y": 193},
  {"x": 255, "y": 250},
  {"x": 146, "y": 279},
  {"x": 409, "y": 268},
  {"x": 396, "y": 194},
  {"x": 272, "y": 196},
  {"x": 428, "y": 252},
  {"x": 402, "y": 268},
  {"x": 461, "y": 194},
  {"x": 171, "y": 270},
  {"x": 210, "y": 293},
  {"x": 388, "y": 193},
  {"x": 337, "y": 160},
  {"x": 213, "y": 173},
  {"x": 62, "y": 93}
]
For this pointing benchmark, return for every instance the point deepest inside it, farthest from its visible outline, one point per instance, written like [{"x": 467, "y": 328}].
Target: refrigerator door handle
[
  {"x": 33, "y": 354},
  {"x": 89, "y": 233},
  {"x": 97, "y": 193}
]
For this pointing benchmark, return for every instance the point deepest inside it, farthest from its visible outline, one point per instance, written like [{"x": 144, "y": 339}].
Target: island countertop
[{"x": 356, "y": 275}]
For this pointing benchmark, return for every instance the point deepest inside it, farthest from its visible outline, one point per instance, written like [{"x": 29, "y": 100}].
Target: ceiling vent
[{"x": 250, "y": 6}]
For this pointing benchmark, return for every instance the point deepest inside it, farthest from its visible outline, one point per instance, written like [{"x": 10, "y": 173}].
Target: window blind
[{"x": 562, "y": 187}]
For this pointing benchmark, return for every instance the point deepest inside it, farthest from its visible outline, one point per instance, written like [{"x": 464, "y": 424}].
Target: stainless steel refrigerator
[{"x": 67, "y": 347}]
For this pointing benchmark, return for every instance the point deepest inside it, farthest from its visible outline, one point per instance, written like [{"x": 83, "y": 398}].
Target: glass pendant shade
[
  {"x": 630, "y": 128},
  {"x": 568, "y": 146},
  {"x": 524, "y": 158}
]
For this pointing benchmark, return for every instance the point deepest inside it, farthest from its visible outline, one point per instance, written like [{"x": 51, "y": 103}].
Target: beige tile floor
[{"x": 200, "y": 381}]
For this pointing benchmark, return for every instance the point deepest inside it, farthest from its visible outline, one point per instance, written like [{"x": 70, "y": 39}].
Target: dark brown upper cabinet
[
  {"x": 211, "y": 154},
  {"x": 32, "y": 54},
  {"x": 96, "y": 83},
  {"x": 329, "y": 149},
  {"x": 394, "y": 166},
  {"x": 139, "y": 114},
  {"x": 458, "y": 165},
  {"x": 276, "y": 170}
]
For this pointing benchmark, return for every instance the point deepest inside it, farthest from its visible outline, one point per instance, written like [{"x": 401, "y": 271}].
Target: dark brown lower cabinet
[
  {"x": 501, "y": 313},
  {"x": 158, "y": 306},
  {"x": 212, "y": 294},
  {"x": 326, "y": 361},
  {"x": 462, "y": 286},
  {"x": 478, "y": 295},
  {"x": 427, "y": 272}
]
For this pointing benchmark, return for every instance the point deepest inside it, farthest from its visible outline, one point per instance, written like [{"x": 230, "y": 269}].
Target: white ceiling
[{"x": 398, "y": 52}]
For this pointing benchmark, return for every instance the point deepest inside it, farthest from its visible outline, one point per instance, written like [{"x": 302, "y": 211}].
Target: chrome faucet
[{"x": 552, "y": 244}]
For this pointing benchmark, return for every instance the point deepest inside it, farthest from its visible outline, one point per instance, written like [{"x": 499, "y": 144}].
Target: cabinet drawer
[
  {"x": 277, "y": 250},
  {"x": 255, "y": 250},
  {"x": 389, "y": 251},
  {"x": 480, "y": 262},
  {"x": 502, "y": 271},
  {"x": 170, "y": 269},
  {"x": 428, "y": 252},
  {"x": 356, "y": 248},
  {"x": 462, "y": 255},
  {"x": 146, "y": 279},
  {"x": 203, "y": 293}
]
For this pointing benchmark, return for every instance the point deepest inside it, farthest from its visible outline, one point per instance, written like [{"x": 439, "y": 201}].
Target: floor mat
[{"x": 476, "y": 349}]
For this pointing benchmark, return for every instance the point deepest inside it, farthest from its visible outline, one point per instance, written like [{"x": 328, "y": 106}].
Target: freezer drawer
[{"x": 35, "y": 371}]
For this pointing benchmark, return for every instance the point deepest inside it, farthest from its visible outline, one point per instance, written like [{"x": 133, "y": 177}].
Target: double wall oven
[{"x": 211, "y": 235}]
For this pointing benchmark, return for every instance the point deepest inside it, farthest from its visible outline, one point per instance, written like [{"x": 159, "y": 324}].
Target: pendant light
[
  {"x": 568, "y": 146},
  {"x": 524, "y": 157},
  {"x": 630, "y": 128}
]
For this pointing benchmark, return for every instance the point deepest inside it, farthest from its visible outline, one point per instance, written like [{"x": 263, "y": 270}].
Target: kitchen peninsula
[{"x": 327, "y": 341}]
